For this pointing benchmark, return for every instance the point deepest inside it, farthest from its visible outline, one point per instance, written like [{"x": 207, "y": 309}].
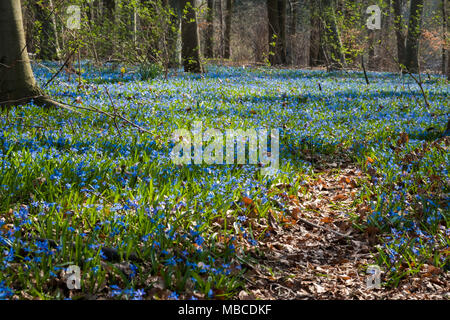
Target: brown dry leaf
[
  {"x": 432, "y": 270},
  {"x": 371, "y": 233},
  {"x": 326, "y": 220},
  {"x": 340, "y": 197},
  {"x": 369, "y": 160},
  {"x": 247, "y": 201},
  {"x": 403, "y": 139},
  {"x": 295, "y": 212}
]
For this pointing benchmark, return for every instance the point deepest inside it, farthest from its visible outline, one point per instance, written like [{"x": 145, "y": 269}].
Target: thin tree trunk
[
  {"x": 371, "y": 64},
  {"x": 294, "y": 14},
  {"x": 386, "y": 22},
  {"x": 276, "y": 14},
  {"x": 331, "y": 40},
  {"x": 445, "y": 27},
  {"x": 448, "y": 67},
  {"x": 190, "y": 39},
  {"x": 399, "y": 25},
  {"x": 209, "y": 41},
  {"x": 316, "y": 57},
  {"x": 220, "y": 14},
  {"x": 292, "y": 31},
  {"x": 174, "y": 35},
  {"x": 413, "y": 38},
  {"x": 282, "y": 28},
  {"x": 227, "y": 38},
  {"x": 48, "y": 36},
  {"x": 55, "y": 30}
]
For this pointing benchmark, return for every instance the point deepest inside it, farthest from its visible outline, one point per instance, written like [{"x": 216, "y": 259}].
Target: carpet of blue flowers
[{"x": 82, "y": 189}]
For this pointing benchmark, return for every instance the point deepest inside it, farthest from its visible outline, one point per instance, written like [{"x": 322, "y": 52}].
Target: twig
[
  {"x": 364, "y": 69},
  {"x": 62, "y": 67},
  {"x": 404, "y": 68},
  {"x": 324, "y": 228},
  {"x": 115, "y": 111},
  {"x": 299, "y": 219}
]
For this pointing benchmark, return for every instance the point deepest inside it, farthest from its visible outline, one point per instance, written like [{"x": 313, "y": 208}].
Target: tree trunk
[
  {"x": 294, "y": 14},
  {"x": 282, "y": 28},
  {"x": 448, "y": 67},
  {"x": 17, "y": 82},
  {"x": 399, "y": 25},
  {"x": 190, "y": 39},
  {"x": 413, "y": 38},
  {"x": 276, "y": 13},
  {"x": 371, "y": 64},
  {"x": 331, "y": 40},
  {"x": 316, "y": 57},
  {"x": 220, "y": 14},
  {"x": 110, "y": 6},
  {"x": 445, "y": 29},
  {"x": 209, "y": 41},
  {"x": 292, "y": 31},
  {"x": 174, "y": 35},
  {"x": 48, "y": 36},
  {"x": 227, "y": 38}
]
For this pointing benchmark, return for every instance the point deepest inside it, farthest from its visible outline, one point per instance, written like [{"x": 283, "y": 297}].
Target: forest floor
[
  {"x": 362, "y": 181},
  {"x": 303, "y": 261}
]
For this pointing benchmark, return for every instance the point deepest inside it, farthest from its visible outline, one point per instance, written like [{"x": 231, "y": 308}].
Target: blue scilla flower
[{"x": 173, "y": 296}]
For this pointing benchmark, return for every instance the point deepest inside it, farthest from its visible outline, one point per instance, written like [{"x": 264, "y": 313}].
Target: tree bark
[
  {"x": 209, "y": 36},
  {"x": 220, "y": 14},
  {"x": 174, "y": 35},
  {"x": 399, "y": 25},
  {"x": 48, "y": 35},
  {"x": 445, "y": 30},
  {"x": 17, "y": 82},
  {"x": 227, "y": 38},
  {"x": 371, "y": 64},
  {"x": 331, "y": 40},
  {"x": 190, "y": 39},
  {"x": 276, "y": 14},
  {"x": 448, "y": 67},
  {"x": 282, "y": 28},
  {"x": 316, "y": 57},
  {"x": 413, "y": 38}
]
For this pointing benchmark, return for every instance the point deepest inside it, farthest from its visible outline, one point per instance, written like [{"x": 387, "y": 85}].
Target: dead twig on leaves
[
  {"x": 299, "y": 219},
  {"x": 312, "y": 224}
]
